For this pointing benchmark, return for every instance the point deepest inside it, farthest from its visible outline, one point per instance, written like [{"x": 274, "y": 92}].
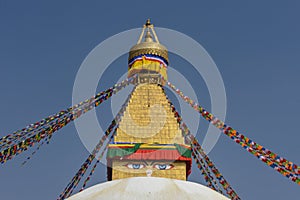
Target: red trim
[{"x": 158, "y": 154}]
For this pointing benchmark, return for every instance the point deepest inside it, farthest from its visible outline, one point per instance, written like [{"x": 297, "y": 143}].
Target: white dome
[{"x": 148, "y": 188}]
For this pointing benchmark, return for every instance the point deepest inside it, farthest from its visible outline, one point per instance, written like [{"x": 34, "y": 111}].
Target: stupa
[{"x": 148, "y": 157}]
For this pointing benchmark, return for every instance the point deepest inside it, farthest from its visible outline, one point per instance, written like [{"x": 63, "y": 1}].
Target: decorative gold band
[{"x": 159, "y": 52}]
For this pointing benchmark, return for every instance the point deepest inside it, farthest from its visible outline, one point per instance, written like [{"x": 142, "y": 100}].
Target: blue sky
[{"x": 255, "y": 45}]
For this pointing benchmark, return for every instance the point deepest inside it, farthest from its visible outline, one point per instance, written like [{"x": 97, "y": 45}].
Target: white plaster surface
[{"x": 148, "y": 188}]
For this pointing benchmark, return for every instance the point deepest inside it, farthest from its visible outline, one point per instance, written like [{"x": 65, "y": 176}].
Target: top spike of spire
[{"x": 148, "y": 23}]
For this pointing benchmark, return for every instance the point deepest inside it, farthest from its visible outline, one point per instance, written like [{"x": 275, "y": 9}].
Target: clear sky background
[{"x": 255, "y": 45}]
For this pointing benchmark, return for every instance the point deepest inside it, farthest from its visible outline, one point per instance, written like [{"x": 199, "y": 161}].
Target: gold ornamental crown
[{"x": 148, "y": 46}]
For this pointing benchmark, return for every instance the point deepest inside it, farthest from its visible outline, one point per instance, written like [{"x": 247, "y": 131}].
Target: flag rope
[
  {"x": 193, "y": 141},
  {"x": 279, "y": 164},
  {"x": 80, "y": 173},
  {"x": 19, "y": 142}
]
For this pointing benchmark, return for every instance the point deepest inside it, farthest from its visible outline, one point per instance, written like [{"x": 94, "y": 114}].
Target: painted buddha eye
[
  {"x": 135, "y": 166},
  {"x": 163, "y": 166}
]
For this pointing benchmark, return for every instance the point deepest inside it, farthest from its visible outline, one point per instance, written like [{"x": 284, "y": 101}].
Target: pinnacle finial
[{"x": 148, "y": 23}]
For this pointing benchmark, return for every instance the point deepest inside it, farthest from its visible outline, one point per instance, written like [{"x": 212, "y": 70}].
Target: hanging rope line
[
  {"x": 76, "y": 179},
  {"x": 37, "y": 136},
  {"x": 203, "y": 162},
  {"x": 80, "y": 173},
  {"x": 205, "y": 167},
  {"x": 208, "y": 179},
  {"x": 21, "y": 141},
  {"x": 97, "y": 162},
  {"x": 279, "y": 164},
  {"x": 212, "y": 183},
  {"x": 7, "y": 140},
  {"x": 20, "y": 133},
  {"x": 47, "y": 140},
  {"x": 197, "y": 149},
  {"x": 49, "y": 121}
]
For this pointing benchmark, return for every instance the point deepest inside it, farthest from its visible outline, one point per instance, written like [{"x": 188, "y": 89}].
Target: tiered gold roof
[{"x": 148, "y": 118}]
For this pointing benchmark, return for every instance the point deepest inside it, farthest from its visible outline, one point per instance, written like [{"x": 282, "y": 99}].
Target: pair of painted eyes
[{"x": 157, "y": 166}]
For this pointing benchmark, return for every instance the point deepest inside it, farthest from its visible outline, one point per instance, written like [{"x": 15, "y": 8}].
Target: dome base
[{"x": 148, "y": 188}]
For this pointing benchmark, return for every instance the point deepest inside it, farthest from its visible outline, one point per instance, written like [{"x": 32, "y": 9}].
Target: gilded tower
[{"x": 148, "y": 140}]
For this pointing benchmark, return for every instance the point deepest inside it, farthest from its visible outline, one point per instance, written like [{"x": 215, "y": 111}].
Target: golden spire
[{"x": 148, "y": 140}]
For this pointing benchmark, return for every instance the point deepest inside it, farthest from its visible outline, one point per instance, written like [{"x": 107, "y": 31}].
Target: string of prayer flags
[
  {"x": 192, "y": 140},
  {"x": 20, "y": 141},
  {"x": 80, "y": 173},
  {"x": 278, "y": 163}
]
